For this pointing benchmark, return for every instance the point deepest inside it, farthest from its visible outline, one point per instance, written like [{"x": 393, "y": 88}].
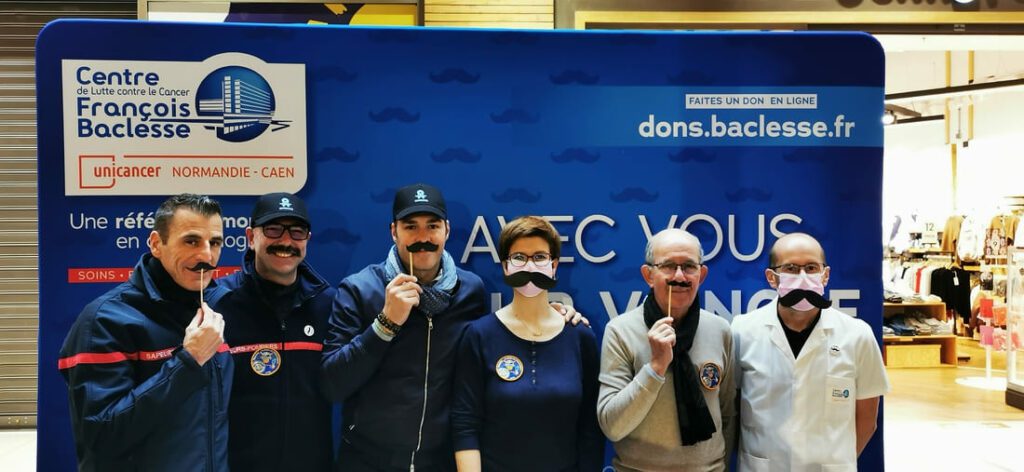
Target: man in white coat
[{"x": 809, "y": 376}]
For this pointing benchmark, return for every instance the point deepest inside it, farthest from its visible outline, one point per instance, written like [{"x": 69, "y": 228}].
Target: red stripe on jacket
[
  {"x": 112, "y": 357},
  {"x": 288, "y": 346}
]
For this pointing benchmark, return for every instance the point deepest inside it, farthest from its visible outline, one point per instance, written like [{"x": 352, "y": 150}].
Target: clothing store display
[{"x": 951, "y": 233}]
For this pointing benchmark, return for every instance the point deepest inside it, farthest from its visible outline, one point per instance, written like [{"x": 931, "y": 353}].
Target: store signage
[{"x": 229, "y": 125}]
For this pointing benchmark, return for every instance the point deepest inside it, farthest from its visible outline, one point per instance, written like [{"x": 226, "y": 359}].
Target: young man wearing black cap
[
  {"x": 389, "y": 355},
  {"x": 276, "y": 321}
]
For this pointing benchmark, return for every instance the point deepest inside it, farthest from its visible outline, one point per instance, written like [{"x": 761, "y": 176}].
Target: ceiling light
[{"x": 888, "y": 117}]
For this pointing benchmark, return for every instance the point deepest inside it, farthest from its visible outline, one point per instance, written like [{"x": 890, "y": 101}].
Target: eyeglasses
[
  {"x": 540, "y": 259},
  {"x": 795, "y": 269},
  {"x": 669, "y": 268},
  {"x": 297, "y": 232}
]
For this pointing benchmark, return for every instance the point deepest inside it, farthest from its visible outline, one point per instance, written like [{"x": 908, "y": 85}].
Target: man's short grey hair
[{"x": 649, "y": 250}]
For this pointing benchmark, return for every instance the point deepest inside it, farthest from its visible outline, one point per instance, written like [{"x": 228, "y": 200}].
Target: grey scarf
[{"x": 437, "y": 294}]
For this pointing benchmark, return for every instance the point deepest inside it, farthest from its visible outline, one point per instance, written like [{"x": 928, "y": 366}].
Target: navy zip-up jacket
[
  {"x": 138, "y": 400},
  {"x": 279, "y": 416},
  {"x": 382, "y": 383}
]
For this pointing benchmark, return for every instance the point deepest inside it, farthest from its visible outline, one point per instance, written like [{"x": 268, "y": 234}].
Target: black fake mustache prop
[
  {"x": 794, "y": 297},
  {"x": 285, "y": 249},
  {"x": 424, "y": 246},
  {"x": 201, "y": 266},
  {"x": 680, "y": 283},
  {"x": 519, "y": 279}
]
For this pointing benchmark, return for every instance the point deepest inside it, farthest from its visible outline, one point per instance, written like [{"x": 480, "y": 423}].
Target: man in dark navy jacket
[
  {"x": 147, "y": 369},
  {"x": 276, "y": 316},
  {"x": 389, "y": 355},
  {"x": 390, "y": 350}
]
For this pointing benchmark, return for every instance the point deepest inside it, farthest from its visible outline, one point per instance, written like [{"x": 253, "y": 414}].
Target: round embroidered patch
[
  {"x": 265, "y": 361},
  {"x": 509, "y": 368},
  {"x": 710, "y": 375}
]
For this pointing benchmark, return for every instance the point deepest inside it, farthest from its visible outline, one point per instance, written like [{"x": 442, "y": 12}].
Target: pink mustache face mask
[
  {"x": 802, "y": 292},
  {"x": 530, "y": 280}
]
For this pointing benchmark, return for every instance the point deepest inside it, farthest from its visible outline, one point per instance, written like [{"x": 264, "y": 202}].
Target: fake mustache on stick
[
  {"x": 794, "y": 297},
  {"x": 519, "y": 279},
  {"x": 201, "y": 266},
  {"x": 424, "y": 246}
]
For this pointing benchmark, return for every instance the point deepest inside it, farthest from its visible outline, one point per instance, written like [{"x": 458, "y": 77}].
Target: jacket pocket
[
  {"x": 840, "y": 398},
  {"x": 753, "y": 463}
]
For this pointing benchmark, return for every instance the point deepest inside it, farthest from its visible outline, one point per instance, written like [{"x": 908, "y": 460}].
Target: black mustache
[
  {"x": 519, "y": 279},
  {"x": 202, "y": 266},
  {"x": 680, "y": 283},
  {"x": 278, "y": 248},
  {"x": 424, "y": 246},
  {"x": 794, "y": 297}
]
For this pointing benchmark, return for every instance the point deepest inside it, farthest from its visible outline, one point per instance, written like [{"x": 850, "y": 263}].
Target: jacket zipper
[{"x": 426, "y": 383}]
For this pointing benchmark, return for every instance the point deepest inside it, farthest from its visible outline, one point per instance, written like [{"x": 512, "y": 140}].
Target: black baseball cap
[
  {"x": 272, "y": 206},
  {"x": 418, "y": 198}
]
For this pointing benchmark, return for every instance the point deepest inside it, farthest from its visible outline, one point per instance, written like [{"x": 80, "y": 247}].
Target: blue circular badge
[
  {"x": 265, "y": 361},
  {"x": 710, "y": 375},
  {"x": 509, "y": 368}
]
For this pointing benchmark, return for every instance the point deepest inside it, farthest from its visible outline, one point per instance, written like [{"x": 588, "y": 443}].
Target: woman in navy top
[{"x": 526, "y": 382}]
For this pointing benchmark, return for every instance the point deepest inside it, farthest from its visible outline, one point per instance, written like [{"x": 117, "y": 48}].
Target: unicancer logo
[{"x": 241, "y": 100}]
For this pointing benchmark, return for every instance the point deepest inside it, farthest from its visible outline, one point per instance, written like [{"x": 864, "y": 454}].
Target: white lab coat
[{"x": 799, "y": 414}]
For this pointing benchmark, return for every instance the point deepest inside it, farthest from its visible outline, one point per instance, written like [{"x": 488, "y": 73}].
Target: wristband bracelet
[
  {"x": 381, "y": 331},
  {"x": 388, "y": 324}
]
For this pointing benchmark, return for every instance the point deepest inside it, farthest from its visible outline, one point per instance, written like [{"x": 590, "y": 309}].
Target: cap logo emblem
[
  {"x": 421, "y": 197},
  {"x": 286, "y": 204}
]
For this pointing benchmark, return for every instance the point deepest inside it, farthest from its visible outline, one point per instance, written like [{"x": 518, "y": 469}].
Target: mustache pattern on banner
[
  {"x": 514, "y": 115},
  {"x": 454, "y": 75},
  {"x": 422, "y": 246},
  {"x": 690, "y": 77},
  {"x": 631, "y": 194},
  {"x": 574, "y": 76},
  {"x": 575, "y": 155},
  {"x": 680, "y": 283},
  {"x": 744, "y": 194},
  {"x": 521, "y": 278},
  {"x": 516, "y": 194},
  {"x": 292, "y": 251},
  {"x": 394, "y": 114},
  {"x": 794, "y": 297},
  {"x": 692, "y": 154},
  {"x": 336, "y": 154},
  {"x": 334, "y": 74},
  {"x": 201, "y": 266},
  {"x": 456, "y": 154}
]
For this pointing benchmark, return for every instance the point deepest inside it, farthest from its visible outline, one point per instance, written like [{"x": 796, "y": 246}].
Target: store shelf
[
  {"x": 907, "y": 339},
  {"x": 933, "y": 350}
]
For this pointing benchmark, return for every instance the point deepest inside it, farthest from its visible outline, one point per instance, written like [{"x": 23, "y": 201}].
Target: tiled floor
[
  {"x": 18, "y": 450},
  {"x": 932, "y": 423}
]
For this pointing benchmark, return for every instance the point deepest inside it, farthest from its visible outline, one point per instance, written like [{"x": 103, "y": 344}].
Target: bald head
[
  {"x": 794, "y": 244},
  {"x": 670, "y": 236}
]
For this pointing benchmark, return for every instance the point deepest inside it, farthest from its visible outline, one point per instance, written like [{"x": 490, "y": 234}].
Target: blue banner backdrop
[{"x": 738, "y": 137}]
